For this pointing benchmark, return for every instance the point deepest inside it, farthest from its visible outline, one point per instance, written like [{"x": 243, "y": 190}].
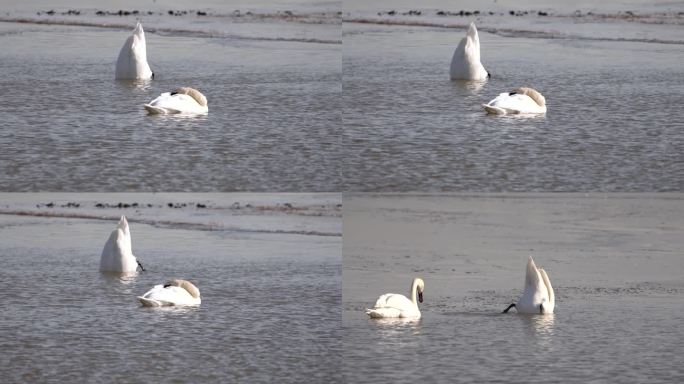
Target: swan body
[
  {"x": 465, "y": 64},
  {"x": 174, "y": 293},
  {"x": 132, "y": 61},
  {"x": 117, "y": 255},
  {"x": 538, "y": 296},
  {"x": 182, "y": 100},
  {"x": 392, "y": 305},
  {"x": 519, "y": 101}
]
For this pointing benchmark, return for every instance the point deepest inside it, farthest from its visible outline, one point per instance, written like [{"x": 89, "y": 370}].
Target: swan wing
[
  {"x": 177, "y": 103},
  {"x": 515, "y": 103},
  {"x": 160, "y": 111},
  {"x": 166, "y": 296},
  {"x": 380, "y": 313},
  {"x": 549, "y": 290},
  {"x": 393, "y": 300},
  {"x": 393, "y": 305},
  {"x": 497, "y": 110}
]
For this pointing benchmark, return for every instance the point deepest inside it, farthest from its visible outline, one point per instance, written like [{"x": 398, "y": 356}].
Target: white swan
[
  {"x": 117, "y": 255},
  {"x": 538, "y": 296},
  {"x": 465, "y": 64},
  {"x": 175, "y": 292},
  {"x": 132, "y": 61},
  {"x": 396, "y": 305},
  {"x": 182, "y": 100},
  {"x": 519, "y": 101}
]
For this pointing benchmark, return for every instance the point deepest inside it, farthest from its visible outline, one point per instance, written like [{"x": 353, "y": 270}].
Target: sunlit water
[
  {"x": 270, "y": 304},
  {"x": 273, "y": 90},
  {"x": 612, "y": 122},
  {"x": 615, "y": 265}
]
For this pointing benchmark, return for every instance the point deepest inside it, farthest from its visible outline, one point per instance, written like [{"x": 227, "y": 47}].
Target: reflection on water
[
  {"x": 392, "y": 327},
  {"x": 474, "y": 86},
  {"x": 186, "y": 309},
  {"x": 123, "y": 277},
  {"x": 138, "y": 84},
  {"x": 539, "y": 328}
]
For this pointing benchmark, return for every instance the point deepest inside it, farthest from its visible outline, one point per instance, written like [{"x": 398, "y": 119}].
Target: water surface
[
  {"x": 270, "y": 301},
  {"x": 613, "y": 88},
  {"x": 272, "y": 84},
  {"x": 614, "y": 261}
]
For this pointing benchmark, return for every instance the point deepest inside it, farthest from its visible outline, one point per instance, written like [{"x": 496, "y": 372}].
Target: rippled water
[
  {"x": 614, "y": 260},
  {"x": 270, "y": 304},
  {"x": 611, "y": 124},
  {"x": 274, "y": 106}
]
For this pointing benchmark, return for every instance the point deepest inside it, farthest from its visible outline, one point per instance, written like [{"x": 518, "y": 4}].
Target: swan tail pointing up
[
  {"x": 465, "y": 63},
  {"x": 549, "y": 288},
  {"x": 532, "y": 278},
  {"x": 472, "y": 45},
  {"x": 132, "y": 61}
]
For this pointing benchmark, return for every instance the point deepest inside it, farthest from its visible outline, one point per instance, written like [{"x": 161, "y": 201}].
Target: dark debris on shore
[
  {"x": 464, "y": 13},
  {"x": 121, "y": 205},
  {"x": 284, "y": 207},
  {"x": 183, "y": 12}
]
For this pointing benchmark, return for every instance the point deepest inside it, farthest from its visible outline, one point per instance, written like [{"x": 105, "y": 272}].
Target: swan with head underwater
[
  {"x": 393, "y": 305},
  {"x": 526, "y": 101},
  {"x": 117, "y": 255},
  {"x": 538, "y": 296},
  {"x": 183, "y": 100},
  {"x": 132, "y": 61},
  {"x": 465, "y": 64},
  {"x": 175, "y": 292}
]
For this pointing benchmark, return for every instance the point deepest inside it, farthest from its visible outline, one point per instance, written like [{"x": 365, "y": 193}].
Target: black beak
[{"x": 420, "y": 297}]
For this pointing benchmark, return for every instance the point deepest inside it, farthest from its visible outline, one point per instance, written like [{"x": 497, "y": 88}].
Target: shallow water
[
  {"x": 270, "y": 303},
  {"x": 274, "y": 105},
  {"x": 611, "y": 124},
  {"x": 614, "y": 261}
]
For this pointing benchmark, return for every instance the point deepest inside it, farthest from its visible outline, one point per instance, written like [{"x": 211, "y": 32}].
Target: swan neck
[{"x": 414, "y": 291}]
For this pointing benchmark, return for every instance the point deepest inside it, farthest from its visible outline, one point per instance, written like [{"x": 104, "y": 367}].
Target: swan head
[
  {"x": 192, "y": 92},
  {"x": 188, "y": 286},
  {"x": 419, "y": 286},
  {"x": 532, "y": 93}
]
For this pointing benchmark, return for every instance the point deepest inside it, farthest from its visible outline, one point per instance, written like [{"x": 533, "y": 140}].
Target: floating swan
[
  {"x": 116, "y": 254},
  {"x": 174, "y": 292},
  {"x": 519, "y": 101},
  {"x": 396, "y": 305},
  {"x": 538, "y": 296},
  {"x": 465, "y": 64},
  {"x": 132, "y": 61},
  {"x": 182, "y": 100}
]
